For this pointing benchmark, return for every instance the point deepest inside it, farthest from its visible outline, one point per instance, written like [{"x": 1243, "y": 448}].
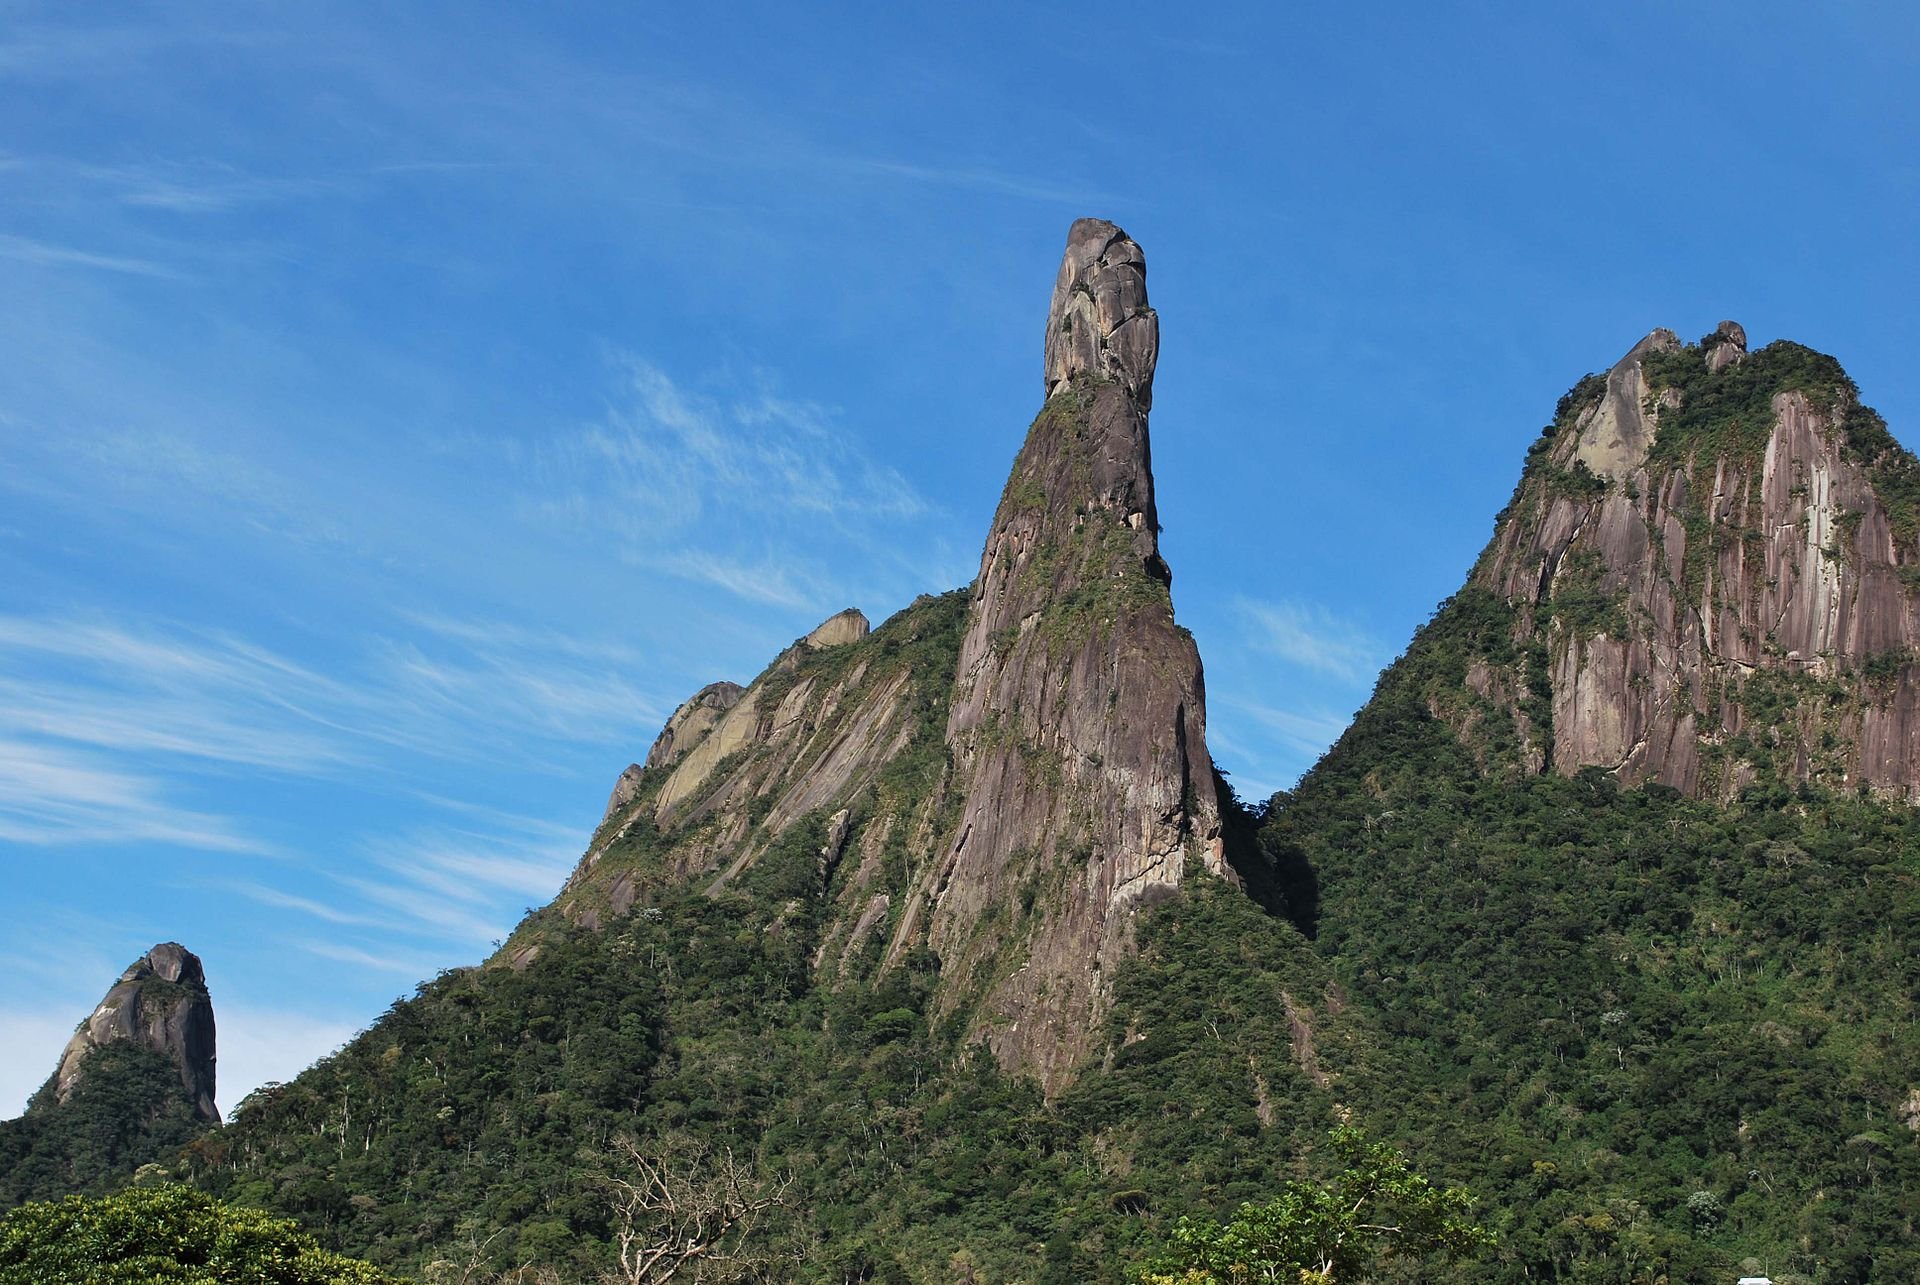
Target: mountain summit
[
  {"x": 941, "y": 944},
  {"x": 1713, "y": 561},
  {"x": 1078, "y": 728},
  {"x": 133, "y": 1085}
]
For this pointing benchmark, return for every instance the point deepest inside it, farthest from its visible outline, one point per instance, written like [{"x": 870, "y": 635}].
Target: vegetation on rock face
[
  {"x": 127, "y": 1107},
  {"x": 1657, "y": 1036},
  {"x": 1729, "y": 413},
  {"x": 167, "y": 1235}
]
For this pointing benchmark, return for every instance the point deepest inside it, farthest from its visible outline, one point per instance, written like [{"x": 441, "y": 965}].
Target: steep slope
[
  {"x": 160, "y": 1003},
  {"x": 833, "y": 908},
  {"x": 133, "y": 1085},
  {"x": 1714, "y": 556}
]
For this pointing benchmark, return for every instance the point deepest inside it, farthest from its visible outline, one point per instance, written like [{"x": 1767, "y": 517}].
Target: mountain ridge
[{"x": 950, "y": 928}]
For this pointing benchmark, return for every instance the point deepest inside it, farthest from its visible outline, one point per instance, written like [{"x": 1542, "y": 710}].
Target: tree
[
  {"x": 687, "y": 1217},
  {"x": 1325, "y": 1233}
]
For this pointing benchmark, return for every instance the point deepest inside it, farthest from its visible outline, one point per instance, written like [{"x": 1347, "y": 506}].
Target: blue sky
[{"x": 404, "y": 407}]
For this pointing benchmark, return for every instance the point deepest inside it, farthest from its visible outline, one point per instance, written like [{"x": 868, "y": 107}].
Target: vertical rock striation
[
  {"x": 160, "y": 1003},
  {"x": 1078, "y": 724},
  {"x": 1714, "y": 563}
]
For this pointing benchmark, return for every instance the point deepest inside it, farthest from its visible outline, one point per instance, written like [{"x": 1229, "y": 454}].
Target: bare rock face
[
  {"x": 838, "y": 630},
  {"x": 161, "y": 1003},
  {"x": 1100, "y": 324},
  {"x": 737, "y": 767},
  {"x": 1725, "y": 346},
  {"x": 1078, "y": 724},
  {"x": 1721, "y": 592},
  {"x": 689, "y": 725}
]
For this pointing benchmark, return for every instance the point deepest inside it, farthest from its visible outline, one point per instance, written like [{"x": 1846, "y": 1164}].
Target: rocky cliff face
[
  {"x": 1006, "y": 775},
  {"x": 160, "y": 1003},
  {"x": 1078, "y": 725},
  {"x": 1714, "y": 562}
]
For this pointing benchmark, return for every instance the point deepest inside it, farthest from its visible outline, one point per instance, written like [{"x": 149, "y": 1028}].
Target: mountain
[
  {"x": 1618, "y": 861},
  {"x": 133, "y": 1085},
  {"x": 940, "y": 951}
]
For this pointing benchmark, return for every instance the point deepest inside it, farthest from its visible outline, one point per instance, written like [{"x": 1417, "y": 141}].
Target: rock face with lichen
[
  {"x": 1713, "y": 560},
  {"x": 160, "y": 1003},
  {"x": 1003, "y": 776}
]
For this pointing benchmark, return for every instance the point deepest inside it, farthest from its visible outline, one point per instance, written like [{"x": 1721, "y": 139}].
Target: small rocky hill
[{"x": 160, "y": 1004}]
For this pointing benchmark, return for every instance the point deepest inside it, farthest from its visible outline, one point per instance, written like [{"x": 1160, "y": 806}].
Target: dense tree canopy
[{"x": 166, "y": 1235}]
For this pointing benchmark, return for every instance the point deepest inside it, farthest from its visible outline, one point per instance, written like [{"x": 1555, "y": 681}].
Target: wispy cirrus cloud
[
  {"x": 767, "y": 580},
  {"x": 729, "y": 490},
  {"x": 1309, "y": 732},
  {"x": 1313, "y": 638},
  {"x": 52, "y": 255},
  {"x": 50, "y": 795},
  {"x": 668, "y": 454},
  {"x": 435, "y": 885}
]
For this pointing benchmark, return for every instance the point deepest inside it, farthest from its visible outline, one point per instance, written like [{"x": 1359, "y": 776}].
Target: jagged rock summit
[
  {"x": 1713, "y": 561},
  {"x": 1005, "y": 776},
  {"x": 1100, "y": 325},
  {"x": 160, "y": 1003}
]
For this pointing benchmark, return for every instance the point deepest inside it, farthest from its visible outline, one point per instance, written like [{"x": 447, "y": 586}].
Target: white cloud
[
  {"x": 730, "y": 490},
  {"x": 30, "y": 1044},
  {"x": 47, "y": 254},
  {"x": 766, "y": 581},
  {"x": 1311, "y": 733},
  {"x": 52, "y": 796},
  {"x": 1313, "y": 637},
  {"x": 258, "y": 1046},
  {"x": 415, "y": 966}
]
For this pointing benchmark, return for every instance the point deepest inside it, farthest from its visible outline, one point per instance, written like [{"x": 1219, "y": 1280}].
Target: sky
[{"x": 403, "y": 407}]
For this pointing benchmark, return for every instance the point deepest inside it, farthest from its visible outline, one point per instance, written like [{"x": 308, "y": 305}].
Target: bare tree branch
[{"x": 686, "y": 1214}]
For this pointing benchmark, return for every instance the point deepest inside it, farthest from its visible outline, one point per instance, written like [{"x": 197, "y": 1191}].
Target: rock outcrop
[
  {"x": 689, "y": 726},
  {"x": 838, "y": 630},
  {"x": 160, "y": 1003},
  {"x": 1714, "y": 558},
  {"x": 1078, "y": 726}
]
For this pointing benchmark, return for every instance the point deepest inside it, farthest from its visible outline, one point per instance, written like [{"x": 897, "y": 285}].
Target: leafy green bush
[{"x": 168, "y": 1235}]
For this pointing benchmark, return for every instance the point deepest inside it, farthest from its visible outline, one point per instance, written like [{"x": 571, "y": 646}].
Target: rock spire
[
  {"x": 1100, "y": 324},
  {"x": 1078, "y": 723}
]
